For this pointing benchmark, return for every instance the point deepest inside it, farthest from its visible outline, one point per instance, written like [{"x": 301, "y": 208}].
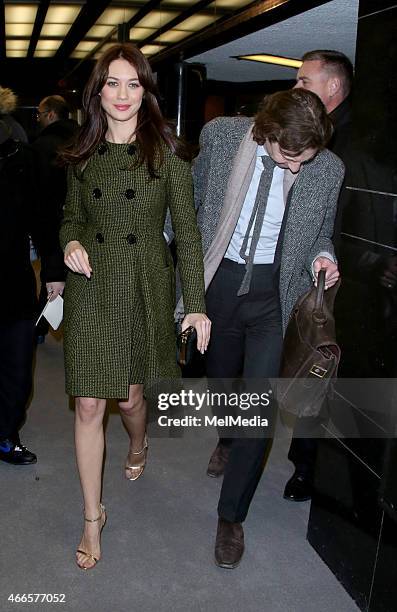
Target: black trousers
[
  {"x": 303, "y": 452},
  {"x": 246, "y": 339},
  {"x": 16, "y": 357},
  {"x": 304, "y": 443}
]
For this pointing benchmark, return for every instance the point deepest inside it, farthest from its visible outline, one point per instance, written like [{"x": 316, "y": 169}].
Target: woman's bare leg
[
  {"x": 89, "y": 440},
  {"x": 133, "y": 414}
]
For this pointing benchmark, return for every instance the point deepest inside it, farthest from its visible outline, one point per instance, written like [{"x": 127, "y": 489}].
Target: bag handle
[{"x": 318, "y": 312}]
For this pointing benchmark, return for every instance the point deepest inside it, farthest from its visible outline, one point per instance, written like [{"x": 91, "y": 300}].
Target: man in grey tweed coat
[{"x": 266, "y": 195}]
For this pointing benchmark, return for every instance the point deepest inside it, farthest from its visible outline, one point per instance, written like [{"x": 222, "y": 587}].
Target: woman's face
[{"x": 121, "y": 96}]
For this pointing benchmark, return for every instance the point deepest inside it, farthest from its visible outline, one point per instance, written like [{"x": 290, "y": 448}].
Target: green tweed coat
[{"x": 119, "y": 324}]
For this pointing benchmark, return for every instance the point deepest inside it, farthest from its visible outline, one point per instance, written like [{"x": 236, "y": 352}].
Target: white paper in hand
[{"x": 53, "y": 312}]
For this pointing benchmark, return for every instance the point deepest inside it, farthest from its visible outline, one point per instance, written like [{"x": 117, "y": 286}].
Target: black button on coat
[{"x": 129, "y": 194}]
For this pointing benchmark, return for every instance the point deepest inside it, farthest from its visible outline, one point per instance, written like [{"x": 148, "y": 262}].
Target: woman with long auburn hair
[{"x": 126, "y": 168}]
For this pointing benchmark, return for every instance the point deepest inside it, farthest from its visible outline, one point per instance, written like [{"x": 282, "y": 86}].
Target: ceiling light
[
  {"x": 271, "y": 59},
  {"x": 48, "y": 45},
  {"x": 62, "y": 13},
  {"x": 151, "y": 49},
  {"x": 99, "y": 31},
  {"x": 183, "y": 3},
  {"x": 113, "y": 16},
  {"x": 157, "y": 19},
  {"x": 55, "y": 29},
  {"x": 197, "y": 22},
  {"x": 23, "y": 13},
  {"x": 19, "y": 45},
  {"x": 86, "y": 45},
  {"x": 16, "y": 53},
  {"x": 140, "y": 33},
  {"x": 43, "y": 53},
  {"x": 19, "y": 29},
  {"x": 172, "y": 36},
  {"x": 78, "y": 54}
]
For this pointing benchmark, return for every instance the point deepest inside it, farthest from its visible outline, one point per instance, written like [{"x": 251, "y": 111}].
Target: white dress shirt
[{"x": 273, "y": 216}]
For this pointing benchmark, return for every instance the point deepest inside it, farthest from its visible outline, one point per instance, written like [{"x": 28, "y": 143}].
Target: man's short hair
[
  {"x": 335, "y": 63},
  {"x": 58, "y": 105},
  {"x": 296, "y": 119}
]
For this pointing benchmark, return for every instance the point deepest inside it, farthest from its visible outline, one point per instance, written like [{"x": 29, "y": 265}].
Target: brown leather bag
[{"x": 311, "y": 354}]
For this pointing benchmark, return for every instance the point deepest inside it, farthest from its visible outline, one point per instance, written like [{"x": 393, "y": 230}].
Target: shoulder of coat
[
  {"x": 224, "y": 134},
  {"x": 171, "y": 158},
  {"x": 227, "y": 125},
  {"x": 331, "y": 162}
]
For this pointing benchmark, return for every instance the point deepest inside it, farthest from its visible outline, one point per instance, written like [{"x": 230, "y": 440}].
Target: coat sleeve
[
  {"x": 187, "y": 236},
  {"x": 323, "y": 243},
  {"x": 44, "y": 226},
  {"x": 74, "y": 217},
  {"x": 201, "y": 166}
]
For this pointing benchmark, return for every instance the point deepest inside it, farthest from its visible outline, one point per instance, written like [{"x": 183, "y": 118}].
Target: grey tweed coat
[
  {"x": 312, "y": 207},
  {"x": 118, "y": 326}
]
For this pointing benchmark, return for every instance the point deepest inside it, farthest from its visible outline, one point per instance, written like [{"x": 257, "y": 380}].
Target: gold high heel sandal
[
  {"x": 102, "y": 517},
  {"x": 137, "y": 469}
]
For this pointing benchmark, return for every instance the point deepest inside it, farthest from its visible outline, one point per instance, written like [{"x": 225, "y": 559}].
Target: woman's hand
[
  {"x": 54, "y": 288},
  {"x": 202, "y": 325},
  {"x": 76, "y": 258}
]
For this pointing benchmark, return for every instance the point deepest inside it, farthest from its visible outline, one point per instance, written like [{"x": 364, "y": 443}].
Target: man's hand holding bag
[{"x": 311, "y": 354}]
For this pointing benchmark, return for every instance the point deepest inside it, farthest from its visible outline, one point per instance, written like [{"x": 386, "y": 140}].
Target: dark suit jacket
[{"x": 21, "y": 216}]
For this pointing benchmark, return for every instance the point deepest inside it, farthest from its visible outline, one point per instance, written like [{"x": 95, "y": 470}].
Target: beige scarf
[{"x": 237, "y": 187}]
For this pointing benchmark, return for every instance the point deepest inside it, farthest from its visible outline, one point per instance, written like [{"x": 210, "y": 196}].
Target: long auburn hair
[{"x": 152, "y": 130}]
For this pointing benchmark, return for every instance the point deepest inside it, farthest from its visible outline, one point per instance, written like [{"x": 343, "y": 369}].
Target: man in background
[
  {"x": 8, "y": 105},
  {"x": 56, "y": 131},
  {"x": 22, "y": 218},
  {"x": 329, "y": 74}
]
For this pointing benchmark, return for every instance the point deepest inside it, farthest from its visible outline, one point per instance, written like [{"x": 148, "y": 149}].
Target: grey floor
[{"x": 157, "y": 546}]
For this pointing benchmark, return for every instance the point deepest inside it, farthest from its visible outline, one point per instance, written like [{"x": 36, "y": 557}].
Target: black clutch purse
[{"x": 186, "y": 345}]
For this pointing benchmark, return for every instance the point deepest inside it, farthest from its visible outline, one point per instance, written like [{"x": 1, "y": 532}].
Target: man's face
[
  {"x": 312, "y": 76},
  {"x": 287, "y": 159},
  {"x": 43, "y": 116}
]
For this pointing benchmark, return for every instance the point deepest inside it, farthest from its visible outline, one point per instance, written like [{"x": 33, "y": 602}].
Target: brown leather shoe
[
  {"x": 229, "y": 545},
  {"x": 219, "y": 458}
]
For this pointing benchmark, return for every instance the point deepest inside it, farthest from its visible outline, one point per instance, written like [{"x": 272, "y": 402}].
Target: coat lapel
[{"x": 237, "y": 187}]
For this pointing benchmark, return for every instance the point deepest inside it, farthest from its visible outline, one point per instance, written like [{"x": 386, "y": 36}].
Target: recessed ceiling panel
[
  {"x": 19, "y": 29},
  {"x": 78, "y": 54},
  {"x": 21, "y": 45},
  {"x": 151, "y": 49},
  {"x": 44, "y": 53},
  {"x": 172, "y": 36},
  {"x": 15, "y": 53},
  {"x": 114, "y": 16},
  {"x": 55, "y": 29},
  {"x": 62, "y": 13},
  {"x": 140, "y": 33},
  {"x": 157, "y": 19},
  {"x": 181, "y": 4},
  {"x": 232, "y": 5},
  {"x": 99, "y": 31},
  {"x": 21, "y": 13},
  {"x": 197, "y": 22},
  {"x": 48, "y": 45},
  {"x": 86, "y": 46}
]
